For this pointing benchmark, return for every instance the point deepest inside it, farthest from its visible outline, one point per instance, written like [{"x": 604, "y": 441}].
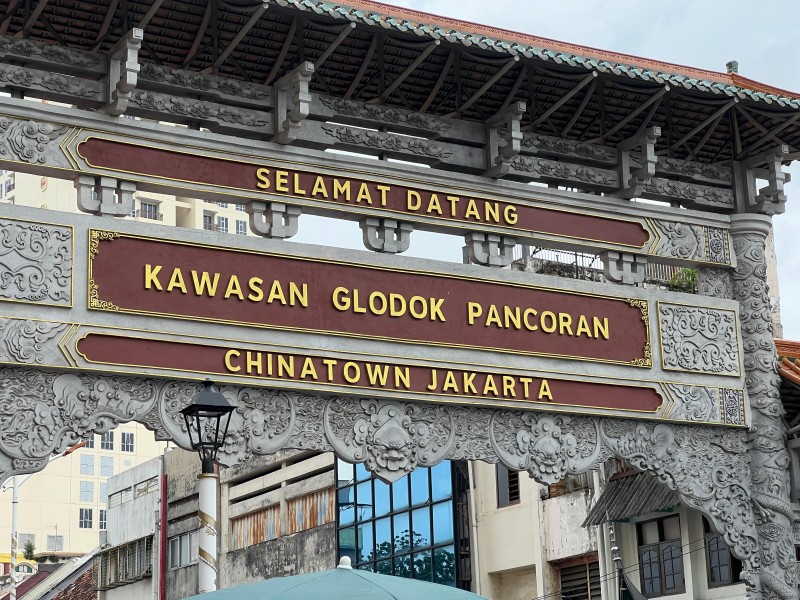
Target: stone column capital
[{"x": 751, "y": 223}]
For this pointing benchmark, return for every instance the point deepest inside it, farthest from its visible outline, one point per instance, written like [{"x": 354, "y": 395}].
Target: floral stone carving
[{"x": 698, "y": 339}]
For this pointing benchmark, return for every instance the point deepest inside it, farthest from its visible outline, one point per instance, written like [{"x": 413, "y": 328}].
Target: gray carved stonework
[
  {"x": 691, "y": 242},
  {"x": 44, "y": 411},
  {"x": 691, "y": 195},
  {"x": 692, "y": 402},
  {"x": 35, "y": 263},
  {"x": 715, "y": 282},
  {"x": 386, "y": 114},
  {"x": 32, "y": 142},
  {"x": 700, "y": 340},
  {"x": 554, "y": 170},
  {"x": 386, "y": 141},
  {"x": 199, "y": 109},
  {"x": 31, "y": 342},
  {"x": 732, "y": 406},
  {"x": 772, "y": 510},
  {"x": 717, "y": 245}
]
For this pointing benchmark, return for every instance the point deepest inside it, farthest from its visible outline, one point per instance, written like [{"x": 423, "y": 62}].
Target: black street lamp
[{"x": 207, "y": 419}]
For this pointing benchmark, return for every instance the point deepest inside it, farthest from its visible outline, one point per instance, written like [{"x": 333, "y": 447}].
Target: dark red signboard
[
  {"x": 448, "y": 206},
  {"x": 316, "y": 370},
  {"x": 142, "y": 275}
]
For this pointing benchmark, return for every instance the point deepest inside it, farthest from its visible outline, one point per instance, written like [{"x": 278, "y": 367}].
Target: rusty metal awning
[{"x": 631, "y": 495}]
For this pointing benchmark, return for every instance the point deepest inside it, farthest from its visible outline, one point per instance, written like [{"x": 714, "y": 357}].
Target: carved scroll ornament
[{"x": 44, "y": 411}]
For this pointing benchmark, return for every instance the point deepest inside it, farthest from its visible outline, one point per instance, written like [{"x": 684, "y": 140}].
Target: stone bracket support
[
  {"x": 623, "y": 267},
  {"x": 500, "y": 149},
  {"x": 105, "y": 196},
  {"x": 386, "y": 235},
  {"x": 292, "y": 102},
  {"x": 770, "y": 199},
  {"x": 489, "y": 249},
  {"x": 123, "y": 72},
  {"x": 273, "y": 219},
  {"x": 632, "y": 181}
]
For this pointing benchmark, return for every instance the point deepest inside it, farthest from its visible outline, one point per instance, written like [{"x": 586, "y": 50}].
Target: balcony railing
[{"x": 148, "y": 214}]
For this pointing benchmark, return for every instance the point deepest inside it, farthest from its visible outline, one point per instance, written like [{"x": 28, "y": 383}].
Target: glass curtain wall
[{"x": 406, "y": 528}]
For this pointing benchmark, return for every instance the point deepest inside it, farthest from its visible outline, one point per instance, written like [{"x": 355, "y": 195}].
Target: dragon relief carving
[
  {"x": 565, "y": 171},
  {"x": 534, "y": 143},
  {"x": 665, "y": 188},
  {"x": 386, "y": 141},
  {"x": 697, "y": 339},
  {"x": 385, "y": 114},
  {"x": 35, "y": 262},
  {"x": 198, "y": 81}
]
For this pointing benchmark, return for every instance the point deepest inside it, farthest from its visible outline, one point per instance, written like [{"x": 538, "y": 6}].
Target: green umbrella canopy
[{"x": 341, "y": 583}]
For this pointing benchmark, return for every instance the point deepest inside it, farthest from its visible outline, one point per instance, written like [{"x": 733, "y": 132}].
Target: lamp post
[{"x": 207, "y": 419}]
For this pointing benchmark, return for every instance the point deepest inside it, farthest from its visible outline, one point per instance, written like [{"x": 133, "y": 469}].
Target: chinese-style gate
[{"x": 391, "y": 361}]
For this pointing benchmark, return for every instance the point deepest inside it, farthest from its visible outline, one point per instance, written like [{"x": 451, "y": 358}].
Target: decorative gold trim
[
  {"x": 96, "y": 303},
  {"x": 98, "y": 235},
  {"x": 647, "y": 352}
]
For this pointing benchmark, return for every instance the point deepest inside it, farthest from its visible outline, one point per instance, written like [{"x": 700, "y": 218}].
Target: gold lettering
[
  {"x": 351, "y": 372},
  {"x": 383, "y": 189},
  {"x": 256, "y": 293},
  {"x": 397, "y": 305},
  {"x": 422, "y": 311},
  {"x": 512, "y": 316},
  {"x": 330, "y": 363},
  {"x": 492, "y": 317},
  {"x": 453, "y": 200},
  {"x": 285, "y": 366},
  {"x": 151, "y": 277},
  {"x": 320, "y": 188},
  {"x": 263, "y": 179},
  {"x": 356, "y": 307},
  {"x": 436, "y": 310},
  {"x": 510, "y": 214},
  {"x": 308, "y": 369},
  {"x": 377, "y": 308},
  {"x": 600, "y": 327},
  {"x": 281, "y": 181},
  {"x": 433, "y": 204},
  {"x": 450, "y": 382},
  {"x": 550, "y": 316},
  {"x": 276, "y": 293},
  {"x": 255, "y": 361},
  {"x": 402, "y": 375},
  {"x": 492, "y": 211},
  {"x": 583, "y": 327},
  {"x": 433, "y": 384},
  {"x": 176, "y": 281},
  {"x": 489, "y": 385},
  {"x": 564, "y": 322},
  {"x": 377, "y": 374},
  {"x": 467, "y": 384},
  {"x": 525, "y": 381},
  {"x": 363, "y": 194},
  {"x": 413, "y": 200},
  {"x": 530, "y": 312},
  {"x": 228, "y": 364},
  {"x": 341, "y": 301},
  {"x": 474, "y": 310},
  {"x": 234, "y": 288},
  {"x": 297, "y": 188},
  {"x": 298, "y": 294},
  {"x": 204, "y": 284},
  {"x": 544, "y": 390},
  {"x": 341, "y": 188},
  {"x": 472, "y": 210},
  {"x": 508, "y": 386}
]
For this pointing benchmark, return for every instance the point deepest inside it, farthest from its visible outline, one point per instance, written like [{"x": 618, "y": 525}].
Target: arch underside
[{"x": 42, "y": 412}]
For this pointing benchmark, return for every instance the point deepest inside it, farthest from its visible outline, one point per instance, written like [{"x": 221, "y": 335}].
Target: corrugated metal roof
[{"x": 631, "y": 496}]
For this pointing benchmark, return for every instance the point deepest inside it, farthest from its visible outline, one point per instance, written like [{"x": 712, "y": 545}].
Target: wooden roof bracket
[
  {"x": 503, "y": 139},
  {"x": 632, "y": 181},
  {"x": 292, "y": 102},
  {"x": 123, "y": 72}
]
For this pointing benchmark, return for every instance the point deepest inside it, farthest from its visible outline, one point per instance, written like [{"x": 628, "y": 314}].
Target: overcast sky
[{"x": 764, "y": 37}]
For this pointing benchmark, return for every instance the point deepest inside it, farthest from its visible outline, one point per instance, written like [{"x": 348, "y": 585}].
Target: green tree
[
  {"x": 28, "y": 550},
  {"x": 684, "y": 280},
  {"x": 442, "y": 569}
]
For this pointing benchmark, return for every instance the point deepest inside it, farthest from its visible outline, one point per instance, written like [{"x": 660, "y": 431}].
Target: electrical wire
[{"x": 629, "y": 569}]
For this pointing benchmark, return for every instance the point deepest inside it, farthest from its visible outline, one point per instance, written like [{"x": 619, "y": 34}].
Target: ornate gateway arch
[{"x": 392, "y": 361}]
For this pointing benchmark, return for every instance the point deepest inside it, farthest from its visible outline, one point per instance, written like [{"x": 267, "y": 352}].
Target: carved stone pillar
[{"x": 769, "y": 460}]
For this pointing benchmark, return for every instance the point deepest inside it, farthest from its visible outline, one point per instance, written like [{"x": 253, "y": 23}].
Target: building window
[
  {"x": 208, "y": 223},
  {"x": 241, "y": 227},
  {"x": 106, "y": 466},
  {"x": 87, "y": 465},
  {"x": 24, "y": 569},
  {"x": 87, "y": 491},
  {"x": 107, "y": 441},
  {"x": 124, "y": 564},
  {"x": 103, "y": 493},
  {"x": 9, "y": 184},
  {"x": 661, "y": 556},
  {"x": 183, "y": 550},
  {"x": 127, "y": 442},
  {"x": 222, "y": 204},
  {"x": 85, "y": 518},
  {"x": 89, "y": 442},
  {"x": 507, "y": 486},
  {"x": 24, "y": 538},
  {"x": 102, "y": 521},
  {"x": 222, "y": 224},
  {"x": 149, "y": 210},
  {"x": 407, "y": 528},
  {"x": 55, "y": 543},
  {"x": 723, "y": 568},
  {"x": 241, "y": 208}
]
